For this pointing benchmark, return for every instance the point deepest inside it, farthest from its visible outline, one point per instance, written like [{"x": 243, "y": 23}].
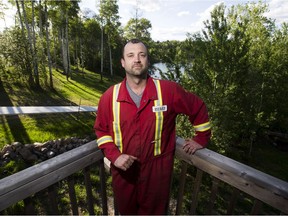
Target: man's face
[{"x": 135, "y": 59}]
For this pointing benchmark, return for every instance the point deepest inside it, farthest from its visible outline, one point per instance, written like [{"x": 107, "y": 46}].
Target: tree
[
  {"x": 138, "y": 28},
  {"x": 229, "y": 66},
  {"x": 61, "y": 13},
  {"x": 48, "y": 45},
  {"x": 92, "y": 43},
  {"x": 110, "y": 18}
]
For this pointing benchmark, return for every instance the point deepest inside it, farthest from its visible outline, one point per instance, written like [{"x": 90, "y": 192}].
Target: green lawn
[{"x": 83, "y": 89}]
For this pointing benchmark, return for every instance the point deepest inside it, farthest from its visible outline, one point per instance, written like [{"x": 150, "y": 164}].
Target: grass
[{"x": 83, "y": 89}]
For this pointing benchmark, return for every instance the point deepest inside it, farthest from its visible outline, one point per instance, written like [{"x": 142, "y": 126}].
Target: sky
[{"x": 173, "y": 19}]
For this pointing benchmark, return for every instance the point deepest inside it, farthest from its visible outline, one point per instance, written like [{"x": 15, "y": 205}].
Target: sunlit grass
[{"x": 83, "y": 89}]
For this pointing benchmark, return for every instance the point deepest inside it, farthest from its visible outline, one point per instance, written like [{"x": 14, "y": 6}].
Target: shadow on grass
[
  {"x": 14, "y": 123},
  {"x": 16, "y": 127},
  {"x": 89, "y": 80}
]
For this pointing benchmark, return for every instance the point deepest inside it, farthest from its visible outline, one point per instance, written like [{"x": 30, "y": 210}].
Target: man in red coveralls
[{"x": 135, "y": 128}]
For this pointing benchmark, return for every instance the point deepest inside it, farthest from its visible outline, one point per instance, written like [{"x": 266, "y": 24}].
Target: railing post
[
  {"x": 89, "y": 190},
  {"x": 29, "y": 207},
  {"x": 103, "y": 187},
  {"x": 213, "y": 195},
  {"x": 181, "y": 188},
  {"x": 52, "y": 194},
  {"x": 256, "y": 207},
  {"x": 196, "y": 189},
  {"x": 72, "y": 195},
  {"x": 233, "y": 201}
]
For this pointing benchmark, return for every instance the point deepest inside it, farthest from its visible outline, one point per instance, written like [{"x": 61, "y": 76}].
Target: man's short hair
[{"x": 135, "y": 41}]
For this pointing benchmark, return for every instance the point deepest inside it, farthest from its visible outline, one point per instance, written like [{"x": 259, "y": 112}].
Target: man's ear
[{"x": 122, "y": 62}]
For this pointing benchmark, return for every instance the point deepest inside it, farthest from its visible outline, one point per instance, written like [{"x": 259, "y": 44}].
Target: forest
[{"x": 238, "y": 62}]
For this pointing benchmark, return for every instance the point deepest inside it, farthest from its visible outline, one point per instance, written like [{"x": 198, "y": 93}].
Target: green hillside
[{"x": 84, "y": 89}]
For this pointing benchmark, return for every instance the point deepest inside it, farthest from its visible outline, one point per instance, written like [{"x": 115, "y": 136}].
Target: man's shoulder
[
  {"x": 168, "y": 83},
  {"x": 109, "y": 91}
]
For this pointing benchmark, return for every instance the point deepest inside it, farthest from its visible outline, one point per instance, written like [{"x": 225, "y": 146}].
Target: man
[{"x": 135, "y": 127}]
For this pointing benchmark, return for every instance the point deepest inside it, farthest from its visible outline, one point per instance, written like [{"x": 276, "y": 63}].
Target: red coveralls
[{"x": 144, "y": 187}]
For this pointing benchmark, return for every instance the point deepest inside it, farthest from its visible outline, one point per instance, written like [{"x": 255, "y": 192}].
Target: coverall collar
[{"x": 149, "y": 93}]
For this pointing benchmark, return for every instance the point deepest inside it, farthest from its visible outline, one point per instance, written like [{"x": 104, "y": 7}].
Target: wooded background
[{"x": 238, "y": 63}]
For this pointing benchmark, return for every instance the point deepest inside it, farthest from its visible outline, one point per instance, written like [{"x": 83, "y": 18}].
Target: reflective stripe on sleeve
[
  {"x": 116, "y": 118},
  {"x": 202, "y": 127},
  {"x": 104, "y": 139},
  {"x": 159, "y": 119}
]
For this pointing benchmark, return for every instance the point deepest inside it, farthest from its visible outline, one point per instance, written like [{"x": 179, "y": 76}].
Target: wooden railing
[
  {"x": 260, "y": 186},
  {"x": 59, "y": 176},
  {"x": 30, "y": 181},
  {"x": 26, "y": 183}
]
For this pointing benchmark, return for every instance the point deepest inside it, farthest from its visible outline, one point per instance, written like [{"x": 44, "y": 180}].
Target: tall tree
[
  {"x": 227, "y": 66},
  {"x": 48, "y": 45},
  {"x": 28, "y": 45},
  {"x": 92, "y": 44},
  {"x": 108, "y": 12},
  {"x": 63, "y": 11},
  {"x": 138, "y": 28}
]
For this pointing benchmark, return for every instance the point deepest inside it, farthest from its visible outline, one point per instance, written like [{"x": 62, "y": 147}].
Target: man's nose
[{"x": 137, "y": 58}]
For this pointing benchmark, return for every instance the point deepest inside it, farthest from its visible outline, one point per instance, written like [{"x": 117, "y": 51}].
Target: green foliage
[
  {"x": 235, "y": 66},
  {"x": 138, "y": 28}
]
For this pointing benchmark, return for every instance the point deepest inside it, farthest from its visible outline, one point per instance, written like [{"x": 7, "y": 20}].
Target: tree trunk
[
  {"x": 30, "y": 45},
  {"x": 67, "y": 47},
  {"x": 102, "y": 51},
  {"x": 27, "y": 57},
  {"x": 41, "y": 52},
  {"x": 64, "y": 51},
  {"x": 48, "y": 48},
  {"x": 35, "y": 59},
  {"x": 110, "y": 58}
]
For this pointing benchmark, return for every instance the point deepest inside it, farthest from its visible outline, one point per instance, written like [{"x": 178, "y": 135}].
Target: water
[{"x": 162, "y": 67}]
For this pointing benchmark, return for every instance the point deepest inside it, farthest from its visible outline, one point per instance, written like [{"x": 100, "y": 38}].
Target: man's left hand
[{"x": 190, "y": 146}]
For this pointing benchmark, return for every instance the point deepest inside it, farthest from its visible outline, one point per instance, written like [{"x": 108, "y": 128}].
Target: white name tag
[{"x": 159, "y": 108}]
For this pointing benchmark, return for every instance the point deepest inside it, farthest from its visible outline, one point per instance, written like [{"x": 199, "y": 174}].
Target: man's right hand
[{"x": 124, "y": 161}]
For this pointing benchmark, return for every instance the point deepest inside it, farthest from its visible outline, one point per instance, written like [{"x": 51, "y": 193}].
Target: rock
[
  {"x": 50, "y": 154},
  {"x": 39, "y": 151},
  {"x": 16, "y": 145},
  {"x": 27, "y": 155},
  {"x": 7, "y": 148}
]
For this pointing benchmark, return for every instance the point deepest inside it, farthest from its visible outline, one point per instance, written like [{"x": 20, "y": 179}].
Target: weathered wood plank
[
  {"x": 72, "y": 195},
  {"x": 27, "y": 182},
  {"x": 88, "y": 187},
  {"x": 53, "y": 200},
  {"x": 181, "y": 188},
  {"x": 103, "y": 187},
  {"x": 38, "y": 170},
  {"x": 196, "y": 189},
  {"x": 213, "y": 195},
  {"x": 256, "y": 209},
  {"x": 260, "y": 185},
  {"x": 233, "y": 201}
]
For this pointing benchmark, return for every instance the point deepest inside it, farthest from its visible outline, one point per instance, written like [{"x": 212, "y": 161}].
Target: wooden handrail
[
  {"x": 20, "y": 185},
  {"x": 262, "y": 186}
]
